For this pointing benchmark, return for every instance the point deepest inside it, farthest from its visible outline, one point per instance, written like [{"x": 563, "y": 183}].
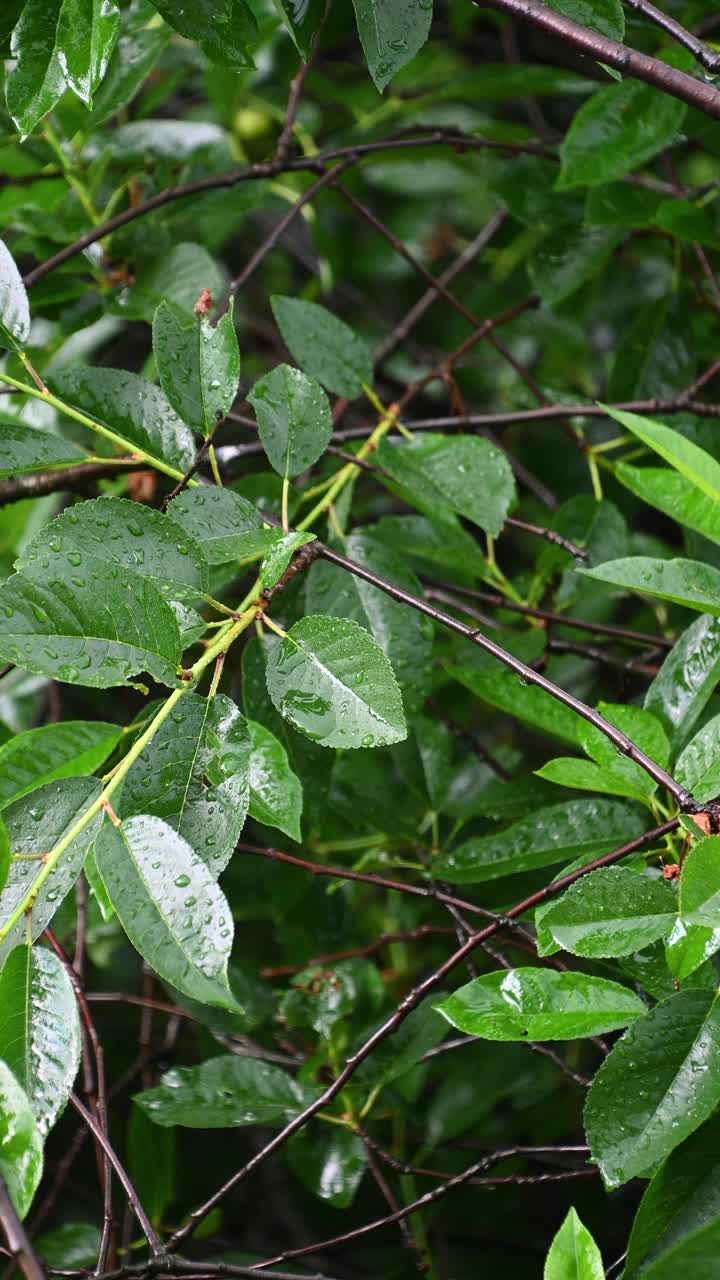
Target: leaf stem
[{"x": 48, "y": 398}]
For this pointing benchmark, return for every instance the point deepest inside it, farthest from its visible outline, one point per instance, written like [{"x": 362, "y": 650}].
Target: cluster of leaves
[{"x": 317, "y": 823}]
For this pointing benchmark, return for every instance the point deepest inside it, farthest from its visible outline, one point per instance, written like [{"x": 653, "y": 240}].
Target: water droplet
[{"x": 182, "y": 881}]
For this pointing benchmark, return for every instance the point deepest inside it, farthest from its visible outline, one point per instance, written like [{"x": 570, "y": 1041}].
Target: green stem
[
  {"x": 48, "y": 398},
  {"x": 219, "y": 646},
  {"x": 350, "y": 470},
  {"x": 285, "y": 495}
]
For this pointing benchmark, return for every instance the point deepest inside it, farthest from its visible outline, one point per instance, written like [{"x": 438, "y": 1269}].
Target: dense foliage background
[{"x": 359, "y": 918}]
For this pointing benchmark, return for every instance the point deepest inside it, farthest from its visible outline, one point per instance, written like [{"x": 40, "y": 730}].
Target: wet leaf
[
  {"x": 14, "y": 307},
  {"x": 198, "y": 364},
  {"x": 36, "y": 82},
  {"x": 331, "y": 680},
  {"x": 223, "y": 524},
  {"x": 276, "y": 795},
  {"x": 39, "y": 1030},
  {"x": 540, "y": 1004},
  {"x": 66, "y": 750},
  {"x": 85, "y": 38},
  {"x": 195, "y": 776},
  {"x": 618, "y": 129},
  {"x": 21, "y": 1149},
  {"x": 658, "y": 1084},
  {"x": 293, "y": 417},
  {"x": 688, "y": 582},
  {"x": 611, "y": 912},
  {"x": 687, "y": 677},
  {"x": 462, "y": 474},
  {"x": 160, "y": 889},
  {"x": 223, "y": 1093},
  {"x": 24, "y": 449},
  {"x": 391, "y": 32},
  {"x": 324, "y": 346},
  {"x": 573, "y": 1254}
]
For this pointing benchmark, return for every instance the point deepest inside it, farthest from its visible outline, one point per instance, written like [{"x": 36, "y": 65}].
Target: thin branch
[
  {"x": 550, "y": 412},
  {"x": 406, "y": 1006},
  {"x": 435, "y": 592},
  {"x": 469, "y": 1175},
  {"x": 271, "y": 169},
  {"x": 630, "y": 62},
  {"x": 40, "y": 483},
  {"x": 703, "y": 54},
  {"x": 123, "y": 1177},
  {"x": 683, "y": 798},
  {"x": 383, "y": 940},
  {"x": 19, "y": 1246},
  {"x": 550, "y": 535}
]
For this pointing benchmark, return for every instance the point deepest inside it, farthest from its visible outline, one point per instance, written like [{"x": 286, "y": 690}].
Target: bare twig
[{"x": 19, "y": 1246}]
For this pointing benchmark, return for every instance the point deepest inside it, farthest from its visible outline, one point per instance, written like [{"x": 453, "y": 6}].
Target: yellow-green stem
[
  {"x": 220, "y": 645},
  {"x": 48, "y": 398}
]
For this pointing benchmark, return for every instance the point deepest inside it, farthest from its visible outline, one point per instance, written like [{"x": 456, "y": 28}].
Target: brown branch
[
  {"x": 383, "y": 940},
  {"x": 431, "y": 1197},
  {"x": 271, "y": 169},
  {"x": 19, "y": 1246},
  {"x": 683, "y": 798},
  {"x": 550, "y": 412},
  {"x": 550, "y": 535},
  {"x": 406, "y": 1006},
  {"x": 630, "y": 62},
  {"x": 40, "y": 483},
  {"x": 703, "y": 54},
  {"x": 144, "y": 1222},
  {"x": 435, "y": 592}
]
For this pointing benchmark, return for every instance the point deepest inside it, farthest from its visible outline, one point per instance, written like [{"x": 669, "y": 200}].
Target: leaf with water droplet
[
  {"x": 611, "y": 912},
  {"x": 657, "y": 1085},
  {"x": 276, "y": 796},
  {"x": 195, "y": 775},
  {"x": 293, "y": 417},
  {"x": 102, "y": 632},
  {"x": 324, "y": 346},
  {"x": 312, "y": 681},
  {"x": 140, "y": 863},
  {"x": 68, "y": 749},
  {"x": 540, "y": 1004},
  {"x": 225, "y": 1092},
  {"x": 21, "y": 1148},
  {"x": 279, "y": 557},
  {"x": 446, "y": 475},
  {"x": 35, "y": 80},
  {"x": 552, "y": 835},
  {"x": 691, "y": 583},
  {"x": 391, "y": 32},
  {"x": 223, "y": 524},
  {"x": 198, "y": 364},
  {"x": 36, "y": 823},
  {"x": 40, "y": 1030},
  {"x": 14, "y": 306},
  {"x": 85, "y": 38},
  {"x": 226, "y": 30}
]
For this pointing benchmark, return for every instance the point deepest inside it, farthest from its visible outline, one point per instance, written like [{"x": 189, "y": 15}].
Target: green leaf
[
  {"x": 36, "y": 82},
  {"x": 74, "y": 1244},
  {"x": 687, "y": 582},
  {"x": 677, "y": 1227},
  {"x": 136, "y": 52},
  {"x": 134, "y": 409},
  {"x": 276, "y": 795},
  {"x": 279, "y": 556},
  {"x": 40, "y": 1037},
  {"x": 618, "y": 129},
  {"x": 697, "y": 768},
  {"x": 573, "y": 1254},
  {"x": 404, "y": 635},
  {"x": 302, "y": 19},
  {"x": 658, "y": 1084},
  {"x": 222, "y": 523},
  {"x": 36, "y": 824},
  {"x": 331, "y": 680},
  {"x": 198, "y": 364},
  {"x": 611, "y": 912},
  {"x": 463, "y": 474},
  {"x": 225, "y": 1093},
  {"x": 21, "y": 1148},
  {"x": 161, "y": 890},
  {"x": 14, "y": 305},
  {"x": 391, "y": 34},
  {"x": 568, "y": 258},
  {"x": 195, "y": 775},
  {"x": 117, "y": 531},
  {"x": 605, "y": 16},
  {"x": 585, "y": 775},
  {"x": 700, "y": 884},
  {"x": 687, "y": 678},
  {"x": 447, "y": 544},
  {"x": 684, "y": 455},
  {"x": 87, "y": 624},
  {"x": 555, "y": 834},
  {"x": 85, "y": 38},
  {"x": 540, "y": 1004},
  {"x": 324, "y": 346},
  {"x": 653, "y": 357},
  {"x": 226, "y": 30},
  {"x": 330, "y": 1164},
  {"x": 293, "y": 417},
  {"x": 24, "y": 449},
  {"x": 644, "y": 729},
  {"x": 65, "y": 750},
  {"x": 529, "y": 705},
  {"x": 672, "y": 494}
]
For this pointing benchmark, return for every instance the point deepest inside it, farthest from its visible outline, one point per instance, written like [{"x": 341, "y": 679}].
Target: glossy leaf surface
[{"x": 540, "y": 1004}]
